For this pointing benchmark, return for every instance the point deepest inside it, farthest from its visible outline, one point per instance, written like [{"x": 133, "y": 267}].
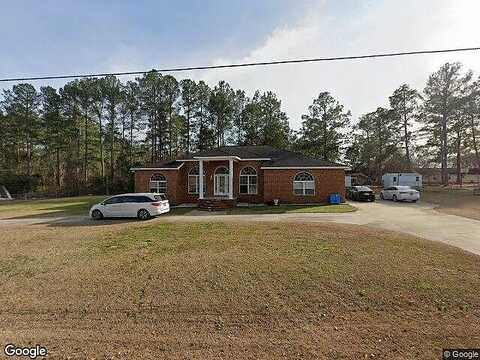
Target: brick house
[{"x": 261, "y": 174}]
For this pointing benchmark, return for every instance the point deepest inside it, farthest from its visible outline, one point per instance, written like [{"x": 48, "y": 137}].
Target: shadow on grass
[
  {"x": 293, "y": 209},
  {"x": 66, "y": 219},
  {"x": 87, "y": 221},
  {"x": 60, "y": 211},
  {"x": 61, "y": 207}
]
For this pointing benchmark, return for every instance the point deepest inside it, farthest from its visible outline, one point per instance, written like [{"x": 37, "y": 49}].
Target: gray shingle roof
[
  {"x": 300, "y": 162},
  {"x": 279, "y": 157},
  {"x": 165, "y": 164},
  {"x": 243, "y": 152}
]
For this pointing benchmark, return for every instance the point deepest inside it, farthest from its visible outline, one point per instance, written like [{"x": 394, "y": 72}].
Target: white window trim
[
  {"x": 157, "y": 183},
  {"x": 303, "y": 184},
  {"x": 248, "y": 183}
]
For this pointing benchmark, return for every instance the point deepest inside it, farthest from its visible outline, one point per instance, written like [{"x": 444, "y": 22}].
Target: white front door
[{"x": 221, "y": 184}]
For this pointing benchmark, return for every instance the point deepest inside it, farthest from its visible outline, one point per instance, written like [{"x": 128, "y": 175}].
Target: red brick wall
[
  {"x": 209, "y": 168},
  {"x": 278, "y": 184},
  {"x": 142, "y": 182},
  {"x": 272, "y": 184}
]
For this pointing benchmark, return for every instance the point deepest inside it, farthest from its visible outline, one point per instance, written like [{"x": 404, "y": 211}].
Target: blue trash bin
[{"x": 334, "y": 199}]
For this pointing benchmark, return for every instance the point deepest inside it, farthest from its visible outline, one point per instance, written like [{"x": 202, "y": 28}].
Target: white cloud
[{"x": 376, "y": 27}]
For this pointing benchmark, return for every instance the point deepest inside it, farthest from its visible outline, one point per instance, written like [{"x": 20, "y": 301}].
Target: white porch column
[
  {"x": 200, "y": 179},
  {"x": 230, "y": 178}
]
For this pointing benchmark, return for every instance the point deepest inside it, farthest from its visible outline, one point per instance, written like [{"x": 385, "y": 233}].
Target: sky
[{"x": 64, "y": 37}]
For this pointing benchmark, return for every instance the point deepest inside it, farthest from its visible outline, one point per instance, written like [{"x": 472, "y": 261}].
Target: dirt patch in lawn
[
  {"x": 459, "y": 202},
  {"x": 150, "y": 291}
]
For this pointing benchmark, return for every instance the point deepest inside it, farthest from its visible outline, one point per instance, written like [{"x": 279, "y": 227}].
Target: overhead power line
[{"x": 261, "y": 63}]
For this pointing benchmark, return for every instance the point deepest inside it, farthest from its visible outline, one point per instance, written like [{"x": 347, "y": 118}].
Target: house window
[
  {"x": 248, "y": 181},
  {"x": 158, "y": 184},
  {"x": 221, "y": 181},
  {"x": 194, "y": 181},
  {"x": 303, "y": 184}
]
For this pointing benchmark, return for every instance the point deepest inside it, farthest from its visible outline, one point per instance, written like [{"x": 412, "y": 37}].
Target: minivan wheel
[
  {"x": 97, "y": 215},
  {"x": 143, "y": 214},
  {"x": 394, "y": 197}
]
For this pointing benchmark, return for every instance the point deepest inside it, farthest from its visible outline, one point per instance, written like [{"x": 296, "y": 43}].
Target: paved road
[{"x": 417, "y": 219}]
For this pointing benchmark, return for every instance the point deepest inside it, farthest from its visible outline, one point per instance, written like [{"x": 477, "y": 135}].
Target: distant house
[
  {"x": 472, "y": 176},
  {"x": 250, "y": 174},
  {"x": 356, "y": 178},
  {"x": 433, "y": 176}
]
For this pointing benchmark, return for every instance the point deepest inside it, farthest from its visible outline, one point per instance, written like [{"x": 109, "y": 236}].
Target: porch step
[{"x": 212, "y": 204}]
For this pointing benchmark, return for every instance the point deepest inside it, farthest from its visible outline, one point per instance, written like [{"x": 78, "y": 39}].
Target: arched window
[
  {"x": 194, "y": 181},
  {"x": 221, "y": 181},
  {"x": 158, "y": 184},
  {"x": 248, "y": 181},
  {"x": 303, "y": 184}
]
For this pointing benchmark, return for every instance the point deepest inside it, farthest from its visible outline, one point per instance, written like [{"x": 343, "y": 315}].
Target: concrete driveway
[{"x": 420, "y": 219}]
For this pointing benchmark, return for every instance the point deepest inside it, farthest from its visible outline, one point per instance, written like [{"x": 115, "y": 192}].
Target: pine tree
[
  {"x": 405, "y": 103},
  {"x": 323, "y": 129}
]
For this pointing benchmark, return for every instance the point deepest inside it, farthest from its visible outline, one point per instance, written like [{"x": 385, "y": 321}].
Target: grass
[
  {"x": 459, "y": 202},
  {"x": 286, "y": 209},
  {"x": 49, "y": 207},
  {"x": 219, "y": 290},
  {"x": 59, "y": 207},
  {"x": 80, "y": 206}
]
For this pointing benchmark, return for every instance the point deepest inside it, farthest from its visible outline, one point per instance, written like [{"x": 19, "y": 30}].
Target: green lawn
[
  {"x": 49, "y": 207},
  {"x": 81, "y": 204},
  {"x": 461, "y": 202},
  {"x": 235, "y": 291},
  {"x": 284, "y": 209}
]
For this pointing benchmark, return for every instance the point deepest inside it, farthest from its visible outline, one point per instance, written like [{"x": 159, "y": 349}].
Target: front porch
[
  {"x": 222, "y": 181},
  {"x": 223, "y": 185},
  {"x": 216, "y": 203}
]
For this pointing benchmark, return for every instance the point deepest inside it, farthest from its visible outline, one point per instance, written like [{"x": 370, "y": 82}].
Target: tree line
[
  {"x": 85, "y": 136},
  {"x": 436, "y": 127}
]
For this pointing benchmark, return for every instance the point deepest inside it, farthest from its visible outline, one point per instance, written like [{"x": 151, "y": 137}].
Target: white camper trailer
[{"x": 413, "y": 180}]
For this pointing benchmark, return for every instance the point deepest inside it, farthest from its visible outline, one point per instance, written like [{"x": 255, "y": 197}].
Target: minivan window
[
  {"x": 160, "y": 197},
  {"x": 114, "y": 200}
]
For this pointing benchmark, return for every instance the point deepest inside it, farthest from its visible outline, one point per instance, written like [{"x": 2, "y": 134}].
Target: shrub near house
[{"x": 251, "y": 174}]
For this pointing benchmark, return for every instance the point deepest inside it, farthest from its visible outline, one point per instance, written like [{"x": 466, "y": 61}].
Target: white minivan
[
  {"x": 400, "y": 193},
  {"x": 140, "y": 205}
]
